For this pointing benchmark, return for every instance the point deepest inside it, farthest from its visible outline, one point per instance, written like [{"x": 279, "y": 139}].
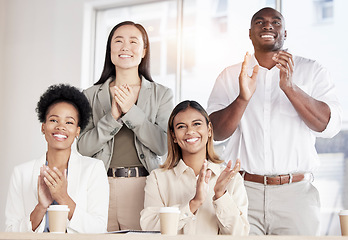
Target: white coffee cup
[
  {"x": 344, "y": 222},
  {"x": 169, "y": 220},
  {"x": 57, "y": 218}
]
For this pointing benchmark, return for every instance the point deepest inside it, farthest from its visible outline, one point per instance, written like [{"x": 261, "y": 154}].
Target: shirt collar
[
  {"x": 253, "y": 61},
  {"x": 181, "y": 167},
  {"x": 215, "y": 168}
]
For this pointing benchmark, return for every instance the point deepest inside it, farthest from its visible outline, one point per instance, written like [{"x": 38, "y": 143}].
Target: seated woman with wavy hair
[{"x": 211, "y": 198}]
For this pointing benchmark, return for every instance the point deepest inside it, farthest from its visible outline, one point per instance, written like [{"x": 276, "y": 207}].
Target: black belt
[{"x": 128, "y": 172}]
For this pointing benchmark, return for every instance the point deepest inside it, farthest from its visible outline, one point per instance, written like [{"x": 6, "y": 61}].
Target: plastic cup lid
[
  {"x": 344, "y": 212},
  {"x": 169, "y": 210},
  {"x": 58, "y": 208}
]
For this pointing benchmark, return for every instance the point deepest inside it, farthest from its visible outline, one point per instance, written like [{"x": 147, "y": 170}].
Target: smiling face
[
  {"x": 61, "y": 126},
  {"x": 267, "y": 31},
  {"x": 191, "y": 132},
  {"x": 127, "y": 47}
]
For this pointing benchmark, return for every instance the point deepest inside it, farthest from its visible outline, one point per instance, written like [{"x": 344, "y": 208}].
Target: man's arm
[
  {"x": 225, "y": 121},
  {"x": 315, "y": 114}
]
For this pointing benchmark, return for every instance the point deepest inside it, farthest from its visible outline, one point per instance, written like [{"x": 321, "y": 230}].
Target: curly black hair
[{"x": 64, "y": 93}]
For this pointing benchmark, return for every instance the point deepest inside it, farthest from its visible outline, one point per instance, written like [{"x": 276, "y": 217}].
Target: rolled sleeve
[{"x": 335, "y": 123}]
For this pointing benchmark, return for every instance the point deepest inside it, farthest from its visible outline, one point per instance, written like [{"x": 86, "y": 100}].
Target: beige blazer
[{"x": 148, "y": 120}]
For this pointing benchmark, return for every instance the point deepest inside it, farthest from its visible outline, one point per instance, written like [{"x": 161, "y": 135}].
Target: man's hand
[
  {"x": 285, "y": 63},
  {"x": 247, "y": 85}
]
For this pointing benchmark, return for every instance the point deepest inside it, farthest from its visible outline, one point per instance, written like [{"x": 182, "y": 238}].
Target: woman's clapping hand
[
  {"x": 57, "y": 183},
  {"x": 202, "y": 188},
  {"x": 44, "y": 195},
  {"x": 225, "y": 178}
]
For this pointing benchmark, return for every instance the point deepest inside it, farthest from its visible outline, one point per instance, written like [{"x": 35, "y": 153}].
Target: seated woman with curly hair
[{"x": 61, "y": 176}]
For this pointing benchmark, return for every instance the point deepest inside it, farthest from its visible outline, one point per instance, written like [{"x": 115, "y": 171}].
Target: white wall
[
  {"x": 40, "y": 45},
  {"x": 3, "y": 169},
  {"x": 2, "y": 99}
]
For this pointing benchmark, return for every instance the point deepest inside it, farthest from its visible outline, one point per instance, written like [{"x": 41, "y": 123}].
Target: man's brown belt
[{"x": 273, "y": 180}]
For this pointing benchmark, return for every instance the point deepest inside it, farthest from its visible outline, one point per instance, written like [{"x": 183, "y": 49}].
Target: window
[
  {"x": 159, "y": 20},
  {"x": 324, "y": 11},
  {"x": 219, "y": 15},
  {"x": 316, "y": 40},
  {"x": 215, "y": 35},
  {"x": 212, "y": 35}
]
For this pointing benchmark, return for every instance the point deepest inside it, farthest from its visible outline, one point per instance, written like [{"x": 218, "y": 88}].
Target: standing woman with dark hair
[{"x": 128, "y": 127}]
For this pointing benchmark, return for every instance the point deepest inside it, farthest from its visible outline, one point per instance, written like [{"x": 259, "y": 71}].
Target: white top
[
  {"x": 176, "y": 187},
  {"x": 87, "y": 185},
  {"x": 271, "y": 138}
]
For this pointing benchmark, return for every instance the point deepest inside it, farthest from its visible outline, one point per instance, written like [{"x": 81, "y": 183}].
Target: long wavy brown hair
[{"x": 174, "y": 150}]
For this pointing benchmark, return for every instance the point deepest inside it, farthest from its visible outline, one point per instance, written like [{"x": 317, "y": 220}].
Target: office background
[{"x": 61, "y": 41}]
